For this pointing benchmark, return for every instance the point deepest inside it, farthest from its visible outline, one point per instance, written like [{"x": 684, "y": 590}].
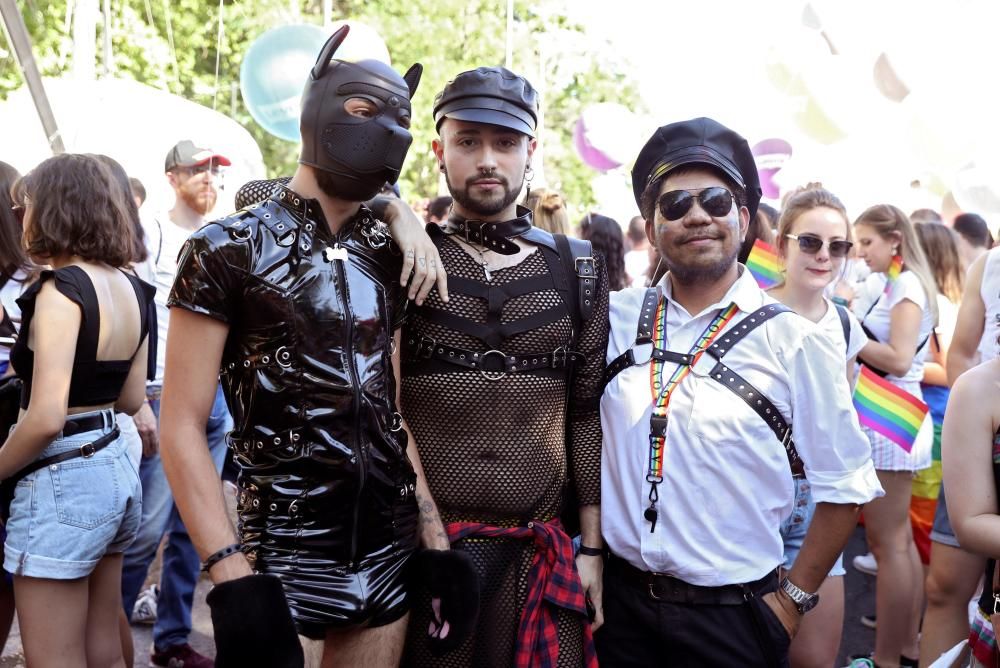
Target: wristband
[
  {"x": 590, "y": 551},
  {"x": 216, "y": 557},
  {"x": 840, "y": 300}
]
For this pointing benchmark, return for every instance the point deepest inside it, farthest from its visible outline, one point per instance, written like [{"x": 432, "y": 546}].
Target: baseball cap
[
  {"x": 698, "y": 141},
  {"x": 186, "y": 154},
  {"x": 493, "y": 95}
]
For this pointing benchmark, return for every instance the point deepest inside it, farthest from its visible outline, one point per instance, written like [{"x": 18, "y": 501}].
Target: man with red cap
[{"x": 194, "y": 174}]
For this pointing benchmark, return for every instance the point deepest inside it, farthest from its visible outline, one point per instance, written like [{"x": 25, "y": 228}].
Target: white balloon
[{"x": 362, "y": 43}]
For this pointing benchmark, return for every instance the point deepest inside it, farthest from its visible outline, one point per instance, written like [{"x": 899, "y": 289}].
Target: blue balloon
[{"x": 273, "y": 75}]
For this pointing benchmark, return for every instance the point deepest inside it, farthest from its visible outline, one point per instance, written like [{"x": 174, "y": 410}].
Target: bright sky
[{"x": 722, "y": 58}]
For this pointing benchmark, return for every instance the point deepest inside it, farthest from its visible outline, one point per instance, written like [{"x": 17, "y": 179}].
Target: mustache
[{"x": 469, "y": 182}]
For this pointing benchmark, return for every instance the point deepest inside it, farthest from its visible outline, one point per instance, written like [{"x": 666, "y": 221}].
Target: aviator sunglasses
[
  {"x": 716, "y": 201},
  {"x": 810, "y": 245}
]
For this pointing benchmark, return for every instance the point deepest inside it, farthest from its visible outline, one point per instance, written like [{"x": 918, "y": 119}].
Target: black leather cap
[
  {"x": 493, "y": 95},
  {"x": 700, "y": 140}
]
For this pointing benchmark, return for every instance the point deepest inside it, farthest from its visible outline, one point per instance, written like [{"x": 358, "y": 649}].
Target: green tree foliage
[{"x": 171, "y": 44}]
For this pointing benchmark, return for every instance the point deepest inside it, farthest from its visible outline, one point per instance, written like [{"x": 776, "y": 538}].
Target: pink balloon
[
  {"x": 771, "y": 155},
  {"x": 591, "y": 156}
]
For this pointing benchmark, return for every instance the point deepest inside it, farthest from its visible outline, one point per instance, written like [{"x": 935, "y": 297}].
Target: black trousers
[{"x": 641, "y": 631}]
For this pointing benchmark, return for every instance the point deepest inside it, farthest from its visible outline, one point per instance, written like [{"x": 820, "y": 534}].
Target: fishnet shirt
[{"x": 500, "y": 452}]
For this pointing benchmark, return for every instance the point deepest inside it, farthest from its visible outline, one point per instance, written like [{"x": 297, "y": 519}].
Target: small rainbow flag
[
  {"x": 765, "y": 265},
  {"x": 887, "y": 409},
  {"x": 893, "y": 272}
]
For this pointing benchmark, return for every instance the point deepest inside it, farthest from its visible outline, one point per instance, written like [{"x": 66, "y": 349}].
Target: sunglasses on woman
[
  {"x": 810, "y": 245},
  {"x": 716, "y": 201}
]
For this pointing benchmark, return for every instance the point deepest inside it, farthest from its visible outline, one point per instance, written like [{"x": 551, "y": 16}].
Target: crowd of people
[{"x": 484, "y": 436}]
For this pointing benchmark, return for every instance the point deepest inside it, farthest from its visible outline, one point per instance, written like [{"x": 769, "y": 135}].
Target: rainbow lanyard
[{"x": 661, "y": 392}]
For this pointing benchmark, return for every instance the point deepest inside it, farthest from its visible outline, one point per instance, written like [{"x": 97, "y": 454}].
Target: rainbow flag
[
  {"x": 893, "y": 272},
  {"x": 887, "y": 409},
  {"x": 765, "y": 265}
]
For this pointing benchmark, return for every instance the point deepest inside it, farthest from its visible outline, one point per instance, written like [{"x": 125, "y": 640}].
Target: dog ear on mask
[
  {"x": 326, "y": 53},
  {"x": 412, "y": 78}
]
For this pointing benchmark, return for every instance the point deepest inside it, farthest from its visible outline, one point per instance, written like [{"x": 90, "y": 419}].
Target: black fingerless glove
[
  {"x": 253, "y": 625},
  {"x": 451, "y": 577}
]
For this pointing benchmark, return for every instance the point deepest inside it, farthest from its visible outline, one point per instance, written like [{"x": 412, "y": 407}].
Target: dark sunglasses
[
  {"x": 810, "y": 245},
  {"x": 716, "y": 201},
  {"x": 18, "y": 210}
]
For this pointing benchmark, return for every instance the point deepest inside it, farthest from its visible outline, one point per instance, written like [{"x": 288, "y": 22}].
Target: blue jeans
[{"x": 181, "y": 564}]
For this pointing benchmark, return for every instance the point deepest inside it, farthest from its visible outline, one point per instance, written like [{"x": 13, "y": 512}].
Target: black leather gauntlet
[{"x": 253, "y": 625}]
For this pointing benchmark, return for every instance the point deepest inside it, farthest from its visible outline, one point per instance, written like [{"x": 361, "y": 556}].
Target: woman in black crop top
[{"x": 82, "y": 354}]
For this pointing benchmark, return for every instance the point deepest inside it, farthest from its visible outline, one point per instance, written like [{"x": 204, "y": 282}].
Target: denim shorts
[
  {"x": 942, "y": 532},
  {"x": 795, "y": 526},
  {"x": 65, "y": 517}
]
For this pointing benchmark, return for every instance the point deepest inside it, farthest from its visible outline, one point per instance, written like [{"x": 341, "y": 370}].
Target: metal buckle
[
  {"x": 560, "y": 356},
  {"x": 645, "y": 356},
  {"x": 87, "y": 450},
  {"x": 787, "y": 438},
  {"x": 424, "y": 351},
  {"x": 283, "y": 357},
  {"x": 488, "y": 375},
  {"x": 589, "y": 262},
  {"x": 996, "y": 603},
  {"x": 397, "y": 422}
]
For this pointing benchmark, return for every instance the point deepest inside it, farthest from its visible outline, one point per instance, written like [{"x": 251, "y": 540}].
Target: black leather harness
[
  {"x": 571, "y": 273},
  {"x": 643, "y": 350}
]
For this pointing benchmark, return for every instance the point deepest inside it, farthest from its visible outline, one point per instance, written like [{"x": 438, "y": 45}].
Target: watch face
[{"x": 809, "y": 603}]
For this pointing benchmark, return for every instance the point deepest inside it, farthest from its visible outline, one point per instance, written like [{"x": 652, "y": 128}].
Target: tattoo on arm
[{"x": 429, "y": 515}]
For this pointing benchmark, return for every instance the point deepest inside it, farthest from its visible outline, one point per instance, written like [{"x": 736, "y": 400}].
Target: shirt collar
[{"x": 744, "y": 292}]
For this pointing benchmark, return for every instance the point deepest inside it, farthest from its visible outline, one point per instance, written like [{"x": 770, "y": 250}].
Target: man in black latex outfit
[
  {"x": 503, "y": 382},
  {"x": 296, "y": 300}
]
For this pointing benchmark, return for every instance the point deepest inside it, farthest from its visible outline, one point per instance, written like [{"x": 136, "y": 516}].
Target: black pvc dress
[
  {"x": 503, "y": 451},
  {"x": 326, "y": 497}
]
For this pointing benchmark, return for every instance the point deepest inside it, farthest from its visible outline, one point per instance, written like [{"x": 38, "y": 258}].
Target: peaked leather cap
[{"x": 698, "y": 141}]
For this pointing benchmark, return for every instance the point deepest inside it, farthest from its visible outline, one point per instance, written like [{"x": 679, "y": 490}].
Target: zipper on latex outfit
[{"x": 340, "y": 259}]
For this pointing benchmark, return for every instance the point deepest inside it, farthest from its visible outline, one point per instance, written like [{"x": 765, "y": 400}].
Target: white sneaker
[
  {"x": 866, "y": 563},
  {"x": 144, "y": 611}
]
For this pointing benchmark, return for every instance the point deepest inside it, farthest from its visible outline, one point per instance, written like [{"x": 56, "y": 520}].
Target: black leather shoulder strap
[
  {"x": 578, "y": 258},
  {"x": 845, "y": 324},
  {"x": 749, "y": 323}
]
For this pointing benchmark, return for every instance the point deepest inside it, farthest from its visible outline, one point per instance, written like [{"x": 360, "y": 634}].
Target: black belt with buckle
[
  {"x": 86, "y": 451},
  {"x": 669, "y": 589},
  {"x": 492, "y": 364}
]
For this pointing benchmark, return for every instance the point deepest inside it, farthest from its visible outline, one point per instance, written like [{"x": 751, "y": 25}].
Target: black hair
[
  {"x": 12, "y": 255},
  {"x": 605, "y": 234},
  {"x": 438, "y": 207},
  {"x": 973, "y": 229}
]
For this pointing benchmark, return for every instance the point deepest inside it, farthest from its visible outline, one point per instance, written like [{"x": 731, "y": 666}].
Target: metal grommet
[
  {"x": 296, "y": 201},
  {"x": 265, "y": 359},
  {"x": 246, "y": 364},
  {"x": 256, "y": 503},
  {"x": 309, "y": 227},
  {"x": 273, "y": 507},
  {"x": 259, "y": 444},
  {"x": 295, "y": 438},
  {"x": 280, "y": 226},
  {"x": 267, "y": 215},
  {"x": 277, "y": 440}
]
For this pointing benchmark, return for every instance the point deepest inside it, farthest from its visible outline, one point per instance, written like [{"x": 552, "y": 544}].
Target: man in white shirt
[
  {"x": 698, "y": 453},
  {"x": 193, "y": 173}
]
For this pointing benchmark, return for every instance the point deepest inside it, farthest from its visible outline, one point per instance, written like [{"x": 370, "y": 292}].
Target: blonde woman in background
[
  {"x": 548, "y": 209},
  {"x": 899, "y": 323}
]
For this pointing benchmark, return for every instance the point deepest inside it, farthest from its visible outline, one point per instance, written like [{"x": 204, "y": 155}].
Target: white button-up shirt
[{"x": 726, "y": 480}]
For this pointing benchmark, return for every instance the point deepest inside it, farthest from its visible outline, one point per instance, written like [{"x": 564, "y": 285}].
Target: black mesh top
[{"x": 497, "y": 451}]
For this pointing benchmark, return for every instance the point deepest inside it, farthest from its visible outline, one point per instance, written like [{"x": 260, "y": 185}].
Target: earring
[
  {"x": 529, "y": 174},
  {"x": 441, "y": 166}
]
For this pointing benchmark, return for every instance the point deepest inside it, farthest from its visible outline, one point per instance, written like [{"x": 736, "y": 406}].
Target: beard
[
  {"x": 489, "y": 204},
  {"x": 200, "y": 202}
]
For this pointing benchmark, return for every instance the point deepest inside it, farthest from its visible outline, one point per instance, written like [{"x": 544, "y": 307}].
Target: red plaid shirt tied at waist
[{"x": 552, "y": 583}]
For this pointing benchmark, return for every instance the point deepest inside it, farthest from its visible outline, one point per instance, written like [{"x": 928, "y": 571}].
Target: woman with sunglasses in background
[
  {"x": 900, "y": 317},
  {"x": 813, "y": 242},
  {"x": 82, "y": 355}
]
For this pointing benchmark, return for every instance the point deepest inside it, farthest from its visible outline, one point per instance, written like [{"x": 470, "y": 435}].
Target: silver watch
[{"x": 804, "y": 601}]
